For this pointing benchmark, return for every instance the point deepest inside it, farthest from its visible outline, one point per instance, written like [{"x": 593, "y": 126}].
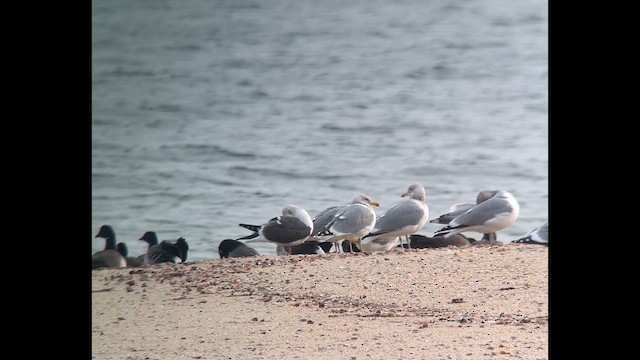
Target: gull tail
[
  {"x": 374, "y": 234},
  {"x": 443, "y": 219},
  {"x": 524, "y": 240},
  {"x": 253, "y": 228},
  {"x": 444, "y": 231},
  {"x": 529, "y": 240},
  {"x": 322, "y": 235}
]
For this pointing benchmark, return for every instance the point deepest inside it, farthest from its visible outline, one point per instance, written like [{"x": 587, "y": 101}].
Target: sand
[{"x": 478, "y": 302}]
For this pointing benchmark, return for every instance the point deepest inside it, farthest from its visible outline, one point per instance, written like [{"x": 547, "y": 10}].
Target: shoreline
[{"x": 475, "y": 302}]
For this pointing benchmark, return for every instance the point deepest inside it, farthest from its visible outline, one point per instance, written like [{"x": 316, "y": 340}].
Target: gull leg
[{"x": 490, "y": 237}]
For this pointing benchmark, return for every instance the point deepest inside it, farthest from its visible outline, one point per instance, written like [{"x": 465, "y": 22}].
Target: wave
[
  {"x": 280, "y": 173},
  {"x": 380, "y": 129},
  {"x": 127, "y": 73},
  {"x": 208, "y": 149}
]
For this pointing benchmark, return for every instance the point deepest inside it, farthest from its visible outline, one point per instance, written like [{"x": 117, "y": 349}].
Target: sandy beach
[{"x": 478, "y": 302}]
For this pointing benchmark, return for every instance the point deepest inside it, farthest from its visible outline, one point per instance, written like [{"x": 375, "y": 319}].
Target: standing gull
[
  {"x": 404, "y": 219},
  {"x": 489, "y": 216},
  {"x": 539, "y": 235},
  {"x": 292, "y": 228},
  {"x": 321, "y": 221},
  {"x": 458, "y": 209},
  {"x": 350, "y": 223}
]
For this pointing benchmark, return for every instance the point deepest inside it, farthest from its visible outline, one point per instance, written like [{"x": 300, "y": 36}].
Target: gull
[
  {"x": 539, "y": 235},
  {"x": 292, "y": 228},
  {"x": 460, "y": 208},
  {"x": 489, "y": 216},
  {"x": 321, "y": 221},
  {"x": 349, "y": 223},
  {"x": 404, "y": 219}
]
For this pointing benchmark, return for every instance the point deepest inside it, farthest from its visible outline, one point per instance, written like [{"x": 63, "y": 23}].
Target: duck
[
  {"x": 131, "y": 261},
  {"x": 306, "y": 248},
  {"x": 425, "y": 242},
  {"x": 231, "y": 248},
  {"x": 167, "y": 252},
  {"x": 110, "y": 257}
]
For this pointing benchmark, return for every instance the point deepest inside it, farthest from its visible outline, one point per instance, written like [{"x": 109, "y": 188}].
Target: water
[{"x": 206, "y": 114}]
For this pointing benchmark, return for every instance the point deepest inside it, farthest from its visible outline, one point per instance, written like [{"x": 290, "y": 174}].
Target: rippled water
[{"x": 206, "y": 114}]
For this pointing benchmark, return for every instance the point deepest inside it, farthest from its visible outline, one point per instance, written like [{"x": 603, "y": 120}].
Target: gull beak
[
  {"x": 375, "y": 203},
  {"x": 404, "y": 194}
]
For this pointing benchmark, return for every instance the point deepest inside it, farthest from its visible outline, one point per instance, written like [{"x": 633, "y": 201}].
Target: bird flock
[
  {"x": 115, "y": 255},
  {"x": 353, "y": 227}
]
